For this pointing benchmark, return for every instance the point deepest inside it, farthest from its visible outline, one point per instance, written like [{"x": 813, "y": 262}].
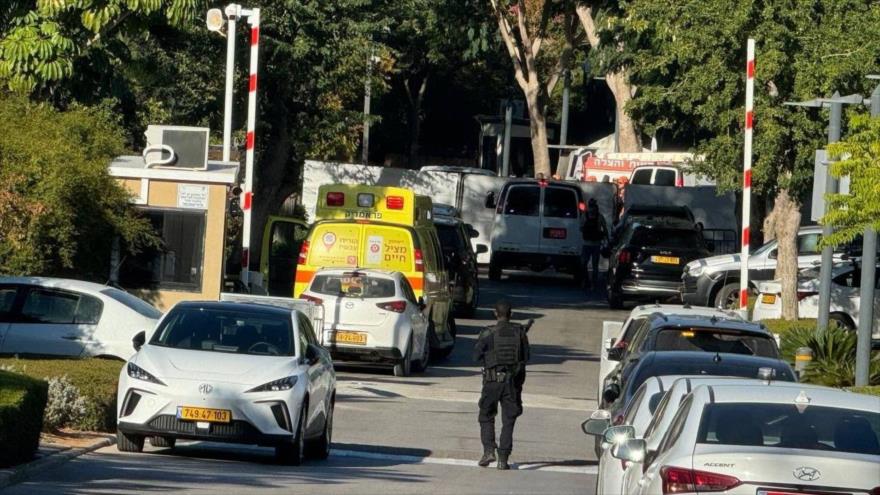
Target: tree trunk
[
  {"x": 618, "y": 83},
  {"x": 538, "y": 131},
  {"x": 786, "y": 220}
]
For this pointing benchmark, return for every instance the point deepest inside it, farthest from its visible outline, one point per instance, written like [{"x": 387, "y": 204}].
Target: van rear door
[
  {"x": 560, "y": 221},
  {"x": 388, "y": 248},
  {"x": 518, "y": 228}
]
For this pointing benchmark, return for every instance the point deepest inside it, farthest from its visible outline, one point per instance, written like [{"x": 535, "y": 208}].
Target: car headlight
[
  {"x": 276, "y": 385},
  {"x": 695, "y": 270},
  {"x": 139, "y": 373}
]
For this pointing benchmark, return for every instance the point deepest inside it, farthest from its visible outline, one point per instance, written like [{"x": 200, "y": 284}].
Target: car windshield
[
  {"x": 667, "y": 238},
  {"x": 450, "y": 240},
  {"x": 219, "y": 330},
  {"x": 823, "y": 428},
  {"x": 715, "y": 340},
  {"x": 353, "y": 285},
  {"x": 135, "y": 303},
  {"x": 763, "y": 249}
]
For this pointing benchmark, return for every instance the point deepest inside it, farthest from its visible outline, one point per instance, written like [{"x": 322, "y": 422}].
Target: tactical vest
[{"x": 507, "y": 349}]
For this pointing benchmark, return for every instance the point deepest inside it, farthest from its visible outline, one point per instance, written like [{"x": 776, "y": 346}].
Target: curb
[{"x": 21, "y": 472}]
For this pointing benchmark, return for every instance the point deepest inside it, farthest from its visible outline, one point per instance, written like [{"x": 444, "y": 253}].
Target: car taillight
[
  {"x": 875, "y": 491},
  {"x": 394, "y": 202},
  {"x": 396, "y": 306},
  {"x": 624, "y": 257},
  {"x": 681, "y": 480},
  {"x": 582, "y": 206},
  {"x": 335, "y": 199},
  {"x": 679, "y": 181},
  {"x": 420, "y": 263},
  {"x": 303, "y": 253},
  {"x": 621, "y": 344},
  {"x": 801, "y": 295},
  {"x": 316, "y": 300}
]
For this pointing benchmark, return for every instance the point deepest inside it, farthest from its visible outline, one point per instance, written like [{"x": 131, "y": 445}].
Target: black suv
[
  {"x": 647, "y": 259},
  {"x": 461, "y": 261}
]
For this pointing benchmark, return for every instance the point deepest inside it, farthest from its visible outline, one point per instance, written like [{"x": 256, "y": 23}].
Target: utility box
[{"x": 188, "y": 209}]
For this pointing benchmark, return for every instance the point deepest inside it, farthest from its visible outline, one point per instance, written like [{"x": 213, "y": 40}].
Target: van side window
[
  {"x": 642, "y": 176},
  {"x": 522, "y": 201},
  {"x": 560, "y": 203}
]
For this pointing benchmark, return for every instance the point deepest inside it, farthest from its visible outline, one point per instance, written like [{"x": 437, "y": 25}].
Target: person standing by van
[{"x": 594, "y": 233}]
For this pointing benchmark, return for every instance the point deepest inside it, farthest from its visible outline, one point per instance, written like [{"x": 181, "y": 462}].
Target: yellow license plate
[
  {"x": 666, "y": 260},
  {"x": 357, "y": 338},
  {"x": 204, "y": 414},
  {"x": 768, "y": 298}
]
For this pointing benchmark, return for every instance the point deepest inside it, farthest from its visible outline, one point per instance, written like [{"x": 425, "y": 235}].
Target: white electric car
[
  {"x": 753, "y": 439},
  {"x": 372, "y": 316},
  {"x": 73, "y": 318},
  {"x": 229, "y": 372}
]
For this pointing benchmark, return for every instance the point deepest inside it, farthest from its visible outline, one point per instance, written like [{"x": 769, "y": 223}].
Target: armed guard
[{"x": 502, "y": 350}]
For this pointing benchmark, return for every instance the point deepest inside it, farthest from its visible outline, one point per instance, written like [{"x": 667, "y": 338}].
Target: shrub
[
  {"x": 65, "y": 407},
  {"x": 792, "y": 335},
  {"x": 22, "y": 402},
  {"x": 96, "y": 380}
]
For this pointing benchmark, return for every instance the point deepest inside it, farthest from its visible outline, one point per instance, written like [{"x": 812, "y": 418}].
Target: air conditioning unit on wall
[{"x": 177, "y": 147}]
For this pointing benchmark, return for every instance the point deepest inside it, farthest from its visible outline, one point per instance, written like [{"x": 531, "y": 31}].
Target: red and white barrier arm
[
  {"x": 747, "y": 176},
  {"x": 247, "y": 196}
]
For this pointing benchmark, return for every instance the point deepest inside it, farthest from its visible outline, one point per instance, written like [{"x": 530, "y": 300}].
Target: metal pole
[
  {"x": 365, "y": 148},
  {"x": 866, "y": 296},
  {"x": 827, "y": 230},
  {"x": 232, "y": 12},
  {"x": 505, "y": 156},
  {"x": 247, "y": 191},
  {"x": 563, "y": 132},
  {"x": 747, "y": 179}
]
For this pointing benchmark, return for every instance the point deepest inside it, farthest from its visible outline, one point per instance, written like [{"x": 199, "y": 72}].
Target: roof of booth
[{"x": 134, "y": 167}]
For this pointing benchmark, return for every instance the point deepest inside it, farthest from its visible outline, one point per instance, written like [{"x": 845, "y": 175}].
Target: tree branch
[
  {"x": 585, "y": 14},
  {"x": 510, "y": 43},
  {"x": 542, "y": 28}
]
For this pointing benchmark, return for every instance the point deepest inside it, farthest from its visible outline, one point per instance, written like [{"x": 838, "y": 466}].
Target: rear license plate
[
  {"x": 768, "y": 299},
  {"x": 551, "y": 233},
  {"x": 357, "y": 338},
  {"x": 665, "y": 260},
  {"x": 204, "y": 414}
]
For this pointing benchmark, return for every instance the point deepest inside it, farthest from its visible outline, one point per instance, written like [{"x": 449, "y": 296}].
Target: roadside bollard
[{"x": 802, "y": 358}]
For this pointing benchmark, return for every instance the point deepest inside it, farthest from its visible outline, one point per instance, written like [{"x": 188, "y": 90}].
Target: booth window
[{"x": 177, "y": 263}]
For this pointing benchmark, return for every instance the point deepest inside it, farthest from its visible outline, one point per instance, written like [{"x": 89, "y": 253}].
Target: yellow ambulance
[{"x": 388, "y": 228}]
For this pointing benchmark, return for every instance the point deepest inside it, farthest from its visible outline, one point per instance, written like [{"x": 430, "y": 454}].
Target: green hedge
[
  {"x": 791, "y": 334},
  {"x": 22, "y": 402},
  {"x": 96, "y": 380},
  {"x": 869, "y": 390}
]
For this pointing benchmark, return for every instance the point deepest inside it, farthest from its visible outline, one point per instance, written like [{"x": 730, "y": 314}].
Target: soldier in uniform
[{"x": 502, "y": 350}]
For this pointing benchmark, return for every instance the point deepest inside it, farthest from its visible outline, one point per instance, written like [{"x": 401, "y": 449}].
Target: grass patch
[
  {"x": 96, "y": 380},
  {"x": 868, "y": 390},
  {"x": 22, "y": 402}
]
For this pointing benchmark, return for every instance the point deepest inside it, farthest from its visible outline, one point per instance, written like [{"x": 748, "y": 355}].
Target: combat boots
[
  {"x": 502, "y": 462},
  {"x": 488, "y": 458}
]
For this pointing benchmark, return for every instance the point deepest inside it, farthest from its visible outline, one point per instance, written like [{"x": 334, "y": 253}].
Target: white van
[
  {"x": 537, "y": 225},
  {"x": 657, "y": 175}
]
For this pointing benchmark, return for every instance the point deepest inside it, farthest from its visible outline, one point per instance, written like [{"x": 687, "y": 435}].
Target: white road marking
[{"x": 588, "y": 470}]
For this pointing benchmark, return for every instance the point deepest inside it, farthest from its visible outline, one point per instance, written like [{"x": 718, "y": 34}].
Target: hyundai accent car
[
  {"x": 781, "y": 439},
  {"x": 229, "y": 372}
]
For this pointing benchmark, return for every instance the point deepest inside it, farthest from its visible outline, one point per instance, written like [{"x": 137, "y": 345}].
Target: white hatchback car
[
  {"x": 229, "y": 372},
  {"x": 754, "y": 439},
  {"x": 62, "y": 317},
  {"x": 372, "y": 316}
]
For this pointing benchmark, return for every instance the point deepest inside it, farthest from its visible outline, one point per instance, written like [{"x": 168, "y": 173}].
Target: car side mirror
[
  {"x": 139, "y": 340},
  {"x": 482, "y": 248},
  {"x": 615, "y": 353},
  {"x": 491, "y": 202},
  {"x": 599, "y": 421},
  {"x": 617, "y": 435},
  {"x": 773, "y": 254},
  {"x": 611, "y": 393},
  {"x": 312, "y": 354},
  {"x": 632, "y": 450},
  {"x": 421, "y": 303},
  {"x": 472, "y": 232}
]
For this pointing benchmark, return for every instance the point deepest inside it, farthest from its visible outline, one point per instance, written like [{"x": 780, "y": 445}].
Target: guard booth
[{"x": 185, "y": 197}]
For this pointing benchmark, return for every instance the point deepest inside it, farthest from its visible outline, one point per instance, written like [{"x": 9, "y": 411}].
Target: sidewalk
[{"x": 55, "y": 449}]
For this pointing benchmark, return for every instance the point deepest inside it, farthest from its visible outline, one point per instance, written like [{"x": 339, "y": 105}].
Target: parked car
[
  {"x": 372, "y": 316},
  {"x": 617, "y": 336},
  {"x": 460, "y": 259},
  {"x": 846, "y": 280},
  {"x": 746, "y": 439},
  {"x": 714, "y": 281},
  {"x": 657, "y": 175},
  {"x": 62, "y": 317},
  {"x": 537, "y": 225},
  {"x": 647, "y": 259},
  {"x": 230, "y": 372},
  {"x": 644, "y": 212}
]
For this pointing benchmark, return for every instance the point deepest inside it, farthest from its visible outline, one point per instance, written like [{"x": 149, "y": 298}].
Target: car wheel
[
  {"x": 128, "y": 442},
  {"x": 319, "y": 449},
  {"x": 494, "y": 270},
  {"x": 615, "y": 300},
  {"x": 728, "y": 296},
  {"x": 422, "y": 364},
  {"x": 163, "y": 442},
  {"x": 842, "y": 321},
  {"x": 404, "y": 367},
  {"x": 293, "y": 454}
]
